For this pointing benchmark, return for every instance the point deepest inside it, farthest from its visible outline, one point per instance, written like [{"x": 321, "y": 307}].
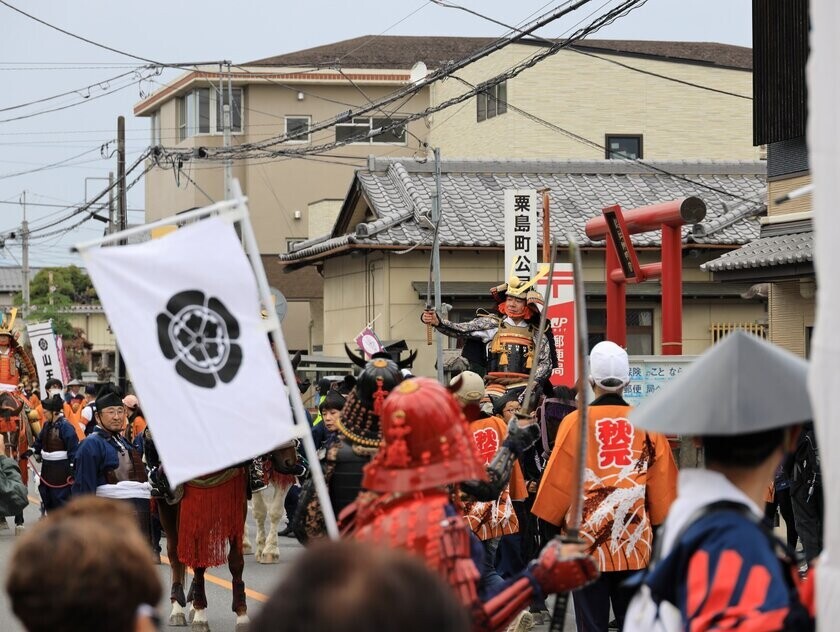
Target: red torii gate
[{"x": 622, "y": 265}]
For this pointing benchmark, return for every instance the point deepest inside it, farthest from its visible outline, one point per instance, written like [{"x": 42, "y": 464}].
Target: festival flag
[
  {"x": 369, "y": 342},
  {"x": 42, "y": 339},
  {"x": 186, "y": 313}
]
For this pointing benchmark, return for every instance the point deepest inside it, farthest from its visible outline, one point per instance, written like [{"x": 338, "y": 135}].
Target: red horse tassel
[{"x": 212, "y": 512}]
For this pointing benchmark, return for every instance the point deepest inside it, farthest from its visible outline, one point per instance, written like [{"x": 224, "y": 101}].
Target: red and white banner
[
  {"x": 561, "y": 315},
  {"x": 369, "y": 342}
]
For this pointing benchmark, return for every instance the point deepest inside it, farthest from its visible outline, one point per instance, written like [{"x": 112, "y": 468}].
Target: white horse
[{"x": 269, "y": 503}]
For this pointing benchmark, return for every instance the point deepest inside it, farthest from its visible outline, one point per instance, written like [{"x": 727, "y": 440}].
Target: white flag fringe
[
  {"x": 823, "y": 143},
  {"x": 185, "y": 309}
]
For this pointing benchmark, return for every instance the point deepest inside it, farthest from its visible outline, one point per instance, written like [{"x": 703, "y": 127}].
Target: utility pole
[
  {"x": 122, "y": 205},
  {"x": 112, "y": 221},
  {"x": 122, "y": 216},
  {"x": 24, "y": 240},
  {"x": 436, "y": 213},
  {"x": 226, "y": 122}
]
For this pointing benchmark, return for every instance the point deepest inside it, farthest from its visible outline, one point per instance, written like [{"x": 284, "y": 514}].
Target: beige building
[
  {"x": 619, "y": 99},
  {"x": 376, "y": 262}
]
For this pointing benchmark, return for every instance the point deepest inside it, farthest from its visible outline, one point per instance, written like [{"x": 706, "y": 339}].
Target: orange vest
[
  {"x": 494, "y": 519},
  {"x": 76, "y": 420},
  {"x": 630, "y": 483}
]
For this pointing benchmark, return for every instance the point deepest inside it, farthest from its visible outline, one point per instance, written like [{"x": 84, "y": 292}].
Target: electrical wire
[
  {"x": 70, "y": 105},
  {"x": 623, "y": 9},
  {"x": 52, "y": 165},
  {"x": 373, "y": 37},
  {"x": 440, "y": 73},
  {"x": 595, "y": 145},
  {"x": 69, "y": 92}
]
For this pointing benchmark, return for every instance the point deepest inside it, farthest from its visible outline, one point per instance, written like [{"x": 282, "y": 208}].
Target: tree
[{"x": 51, "y": 293}]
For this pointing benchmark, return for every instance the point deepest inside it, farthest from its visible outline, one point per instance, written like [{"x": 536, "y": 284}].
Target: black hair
[
  {"x": 53, "y": 382},
  {"x": 745, "y": 450},
  {"x": 333, "y": 401}
]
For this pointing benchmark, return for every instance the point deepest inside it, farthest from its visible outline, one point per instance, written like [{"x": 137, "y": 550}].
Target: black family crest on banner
[{"x": 199, "y": 333}]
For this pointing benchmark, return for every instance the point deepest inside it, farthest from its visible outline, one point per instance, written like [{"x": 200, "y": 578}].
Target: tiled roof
[
  {"x": 11, "y": 278},
  {"x": 766, "y": 252},
  {"x": 401, "y": 51},
  {"x": 399, "y": 193}
]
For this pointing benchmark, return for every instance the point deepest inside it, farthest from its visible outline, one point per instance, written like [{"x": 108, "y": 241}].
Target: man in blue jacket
[{"x": 55, "y": 447}]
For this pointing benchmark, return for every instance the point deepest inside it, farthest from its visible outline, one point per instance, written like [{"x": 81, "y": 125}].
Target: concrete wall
[
  {"x": 358, "y": 288},
  {"x": 322, "y": 215},
  {"x": 591, "y": 97}
]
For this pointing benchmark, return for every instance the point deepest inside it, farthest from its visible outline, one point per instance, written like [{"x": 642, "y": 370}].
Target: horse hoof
[
  {"x": 178, "y": 620},
  {"x": 242, "y": 623},
  {"x": 4, "y": 526},
  {"x": 191, "y": 613},
  {"x": 247, "y": 547},
  {"x": 19, "y": 529},
  {"x": 199, "y": 622},
  {"x": 269, "y": 558}
]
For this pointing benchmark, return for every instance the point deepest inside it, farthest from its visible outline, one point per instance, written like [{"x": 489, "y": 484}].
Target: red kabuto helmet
[{"x": 426, "y": 441}]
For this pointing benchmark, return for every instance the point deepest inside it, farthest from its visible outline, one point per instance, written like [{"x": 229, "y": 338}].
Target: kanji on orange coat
[{"x": 630, "y": 484}]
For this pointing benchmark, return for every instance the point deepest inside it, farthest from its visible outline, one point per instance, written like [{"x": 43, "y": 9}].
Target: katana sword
[
  {"x": 526, "y": 409},
  {"x": 572, "y": 534}
]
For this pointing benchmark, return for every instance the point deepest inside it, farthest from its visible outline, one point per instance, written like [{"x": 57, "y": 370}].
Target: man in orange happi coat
[{"x": 629, "y": 485}]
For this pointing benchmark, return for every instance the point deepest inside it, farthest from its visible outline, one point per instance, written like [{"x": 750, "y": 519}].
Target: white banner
[
  {"x": 186, "y": 313},
  {"x": 521, "y": 232},
  {"x": 45, "y": 353},
  {"x": 824, "y": 378}
]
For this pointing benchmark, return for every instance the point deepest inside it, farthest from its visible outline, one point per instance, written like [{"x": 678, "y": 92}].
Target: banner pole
[{"x": 252, "y": 250}]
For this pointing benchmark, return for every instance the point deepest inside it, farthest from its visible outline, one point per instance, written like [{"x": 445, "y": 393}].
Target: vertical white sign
[
  {"x": 45, "y": 353},
  {"x": 521, "y": 232}
]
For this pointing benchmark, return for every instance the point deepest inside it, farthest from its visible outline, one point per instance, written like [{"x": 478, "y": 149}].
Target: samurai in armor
[
  {"x": 509, "y": 336},
  {"x": 56, "y": 448},
  {"x": 413, "y": 503},
  {"x": 109, "y": 466},
  {"x": 357, "y": 439}
]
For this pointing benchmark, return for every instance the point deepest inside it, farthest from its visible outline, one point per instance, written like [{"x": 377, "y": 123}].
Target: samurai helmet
[
  {"x": 360, "y": 417},
  {"x": 426, "y": 441},
  {"x": 8, "y": 322},
  {"x": 521, "y": 288}
]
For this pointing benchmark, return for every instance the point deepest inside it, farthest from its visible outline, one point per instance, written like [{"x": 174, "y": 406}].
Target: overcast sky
[{"x": 37, "y": 62}]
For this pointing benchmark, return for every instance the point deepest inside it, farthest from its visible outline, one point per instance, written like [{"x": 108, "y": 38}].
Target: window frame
[
  {"x": 608, "y": 154},
  {"x": 190, "y": 115},
  {"x": 154, "y": 122},
  {"x": 370, "y": 140},
  {"x": 498, "y": 100},
  {"x": 298, "y": 140},
  {"x": 599, "y": 331}
]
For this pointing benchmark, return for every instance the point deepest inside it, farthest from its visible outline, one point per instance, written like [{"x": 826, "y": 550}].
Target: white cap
[
  {"x": 609, "y": 363},
  {"x": 470, "y": 387}
]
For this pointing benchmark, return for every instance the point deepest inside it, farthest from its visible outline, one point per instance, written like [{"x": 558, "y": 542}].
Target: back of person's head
[
  {"x": 744, "y": 450},
  {"x": 347, "y": 586},
  {"x": 609, "y": 367},
  {"x": 83, "y": 568}
]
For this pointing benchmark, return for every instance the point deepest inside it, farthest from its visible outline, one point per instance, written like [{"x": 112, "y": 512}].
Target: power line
[
  {"x": 370, "y": 39},
  {"x": 48, "y": 166},
  {"x": 440, "y": 73},
  {"x": 78, "y": 91},
  {"x": 623, "y": 9},
  {"x": 595, "y": 145},
  {"x": 59, "y": 206}
]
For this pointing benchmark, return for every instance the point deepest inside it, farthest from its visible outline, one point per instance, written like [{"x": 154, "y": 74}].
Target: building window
[
  {"x": 297, "y": 129},
  {"x": 491, "y": 102},
  {"x": 627, "y": 146},
  {"x": 200, "y": 111},
  {"x": 235, "y": 110},
  {"x": 360, "y": 128},
  {"x": 639, "y": 329},
  {"x": 155, "y": 126}
]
